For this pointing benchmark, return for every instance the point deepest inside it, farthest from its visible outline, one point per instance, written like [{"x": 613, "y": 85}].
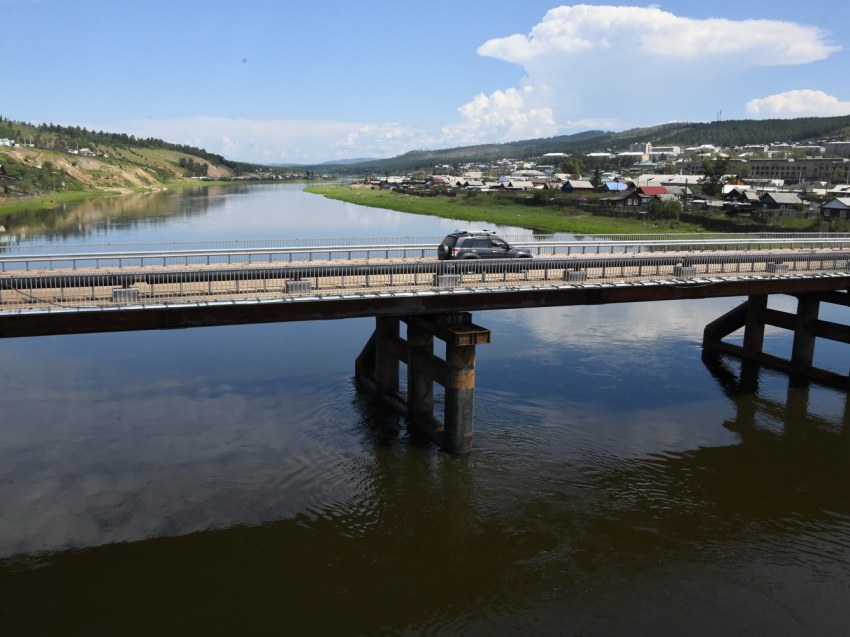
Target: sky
[{"x": 308, "y": 82}]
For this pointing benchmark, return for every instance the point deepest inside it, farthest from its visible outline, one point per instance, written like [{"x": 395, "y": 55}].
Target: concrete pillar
[
  {"x": 386, "y": 365},
  {"x": 420, "y": 388},
  {"x": 754, "y": 326},
  {"x": 460, "y": 389},
  {"x": 803, "y": 350}
]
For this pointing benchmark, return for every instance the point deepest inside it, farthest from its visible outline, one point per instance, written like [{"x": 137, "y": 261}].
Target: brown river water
[{"x": 233, "y": 480}]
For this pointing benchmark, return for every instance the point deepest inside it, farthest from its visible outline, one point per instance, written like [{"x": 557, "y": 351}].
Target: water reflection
[
  {"x": 426, "y": 543},
  {"x": 94, "y": 220},
  {"x": 227, "y": 480}
]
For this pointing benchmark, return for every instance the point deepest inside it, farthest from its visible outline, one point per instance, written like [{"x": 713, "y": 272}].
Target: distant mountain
[
  {"x": 724, "y": 133},
  {"x": 341, "y": 162}
]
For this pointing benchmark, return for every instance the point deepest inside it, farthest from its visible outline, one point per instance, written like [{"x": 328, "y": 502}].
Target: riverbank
[
  {"x": 43, "y": 202},
  {"x": 55, "y": 199},
  {"x": 499, "y": 211}
]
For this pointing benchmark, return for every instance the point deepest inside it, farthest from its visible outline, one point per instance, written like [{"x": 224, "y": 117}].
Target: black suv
[{"x": 478, "y": 244}]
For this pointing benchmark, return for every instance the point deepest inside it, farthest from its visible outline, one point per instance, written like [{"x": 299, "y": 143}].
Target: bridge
[{"x": 108, "y": 288}]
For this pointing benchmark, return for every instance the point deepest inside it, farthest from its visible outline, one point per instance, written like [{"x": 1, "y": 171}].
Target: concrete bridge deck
[{"x": 41, "y": 295}]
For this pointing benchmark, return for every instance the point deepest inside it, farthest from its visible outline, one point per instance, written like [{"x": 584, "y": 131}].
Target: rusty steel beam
[
  {"x": 455, "y": 331},
  {"x": 210, "y": 315}
]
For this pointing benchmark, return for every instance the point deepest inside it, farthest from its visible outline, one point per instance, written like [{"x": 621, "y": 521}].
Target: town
[{"x": 803, "y": 181}]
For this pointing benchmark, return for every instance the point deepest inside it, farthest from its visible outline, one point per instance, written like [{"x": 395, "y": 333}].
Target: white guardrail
[
  {"x": 135, "y": 288},
  {"x": 96, "y": 256}
]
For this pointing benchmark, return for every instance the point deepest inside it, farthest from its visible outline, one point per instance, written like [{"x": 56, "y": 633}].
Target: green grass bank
[
  {"x": 43, "y": 202},
  {"x": 493, "y": 209}
]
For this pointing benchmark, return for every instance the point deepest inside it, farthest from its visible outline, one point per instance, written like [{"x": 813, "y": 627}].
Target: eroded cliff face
[{"x": 122, "y": 173}]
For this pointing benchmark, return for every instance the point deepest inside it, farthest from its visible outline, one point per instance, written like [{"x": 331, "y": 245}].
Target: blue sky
[{"x": 284, "y": 82}]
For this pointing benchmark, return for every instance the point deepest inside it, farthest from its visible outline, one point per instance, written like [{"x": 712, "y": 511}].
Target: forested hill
[
  {"x": 56, "y": 137},
  {"x": 725, "y": 133}
]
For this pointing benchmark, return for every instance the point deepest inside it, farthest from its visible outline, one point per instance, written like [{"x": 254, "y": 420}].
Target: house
[
  {"x": 666, "y": 180},
  {"x": 518, "y": 184},
  {"x": 613, "y": 186},
  {"x": 742, "y": 196},
  {"x": 707, "y": 201},
  {"x": 581, "y": 200},
  {"x": 780, "y": 201},
  {"x": 627, "y": 198},
  {"x": 576, "y": 185},
  {"x": 652, "y": 191},
  {"x": 839, "y": 207},
  {"x": 680, "y": 191}
]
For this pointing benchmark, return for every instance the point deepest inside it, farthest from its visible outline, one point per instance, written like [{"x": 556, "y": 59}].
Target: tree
[
  {"x": 573, "y": 167},
  {"x": 665, "y": 207},
  {"x": 596, "y": 179},
  {"x": 714, "y": 175}
]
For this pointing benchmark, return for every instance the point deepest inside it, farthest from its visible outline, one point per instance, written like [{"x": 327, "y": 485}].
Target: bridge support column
[
  {"x": 754, "y": 315},
  {"x": 754, "y": 325},
  {"x": 460, "y": 391},
  {"x": 420, "y": 387},
  {"x": 386, "y": 365},
  {"x": 377, "y": 370},
  {"x": 803, "y": 350}
]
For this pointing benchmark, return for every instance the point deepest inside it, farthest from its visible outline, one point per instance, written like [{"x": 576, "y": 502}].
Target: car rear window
[{"x": 450, "y": 241}]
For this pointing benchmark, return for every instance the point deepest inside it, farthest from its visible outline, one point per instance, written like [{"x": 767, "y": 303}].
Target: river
[{"x": 233, "y": 481}]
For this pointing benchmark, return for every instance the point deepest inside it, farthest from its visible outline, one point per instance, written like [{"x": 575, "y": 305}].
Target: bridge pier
[
  {"x": 753, "y": 315},
  {"x": 377, "y": 370}
]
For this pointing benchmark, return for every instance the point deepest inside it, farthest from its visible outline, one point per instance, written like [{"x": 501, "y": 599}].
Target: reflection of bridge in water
[{"x": 100, "y": 289}]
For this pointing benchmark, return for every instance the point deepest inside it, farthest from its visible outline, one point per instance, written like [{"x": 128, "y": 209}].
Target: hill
[
  {"x": 58, "y": 159},
  {"x": 725, "y": 133}
]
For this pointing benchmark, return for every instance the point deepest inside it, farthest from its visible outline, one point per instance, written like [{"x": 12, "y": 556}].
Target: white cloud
[
  {"x": 799, "y": 103},
  {"x": 503, "y": 116},
  {"x": 282, "y": 141},
  {"x": 609, "y": 67},
  {"x": 598, "y": 64},
  {"x": 652, "y": 32}
]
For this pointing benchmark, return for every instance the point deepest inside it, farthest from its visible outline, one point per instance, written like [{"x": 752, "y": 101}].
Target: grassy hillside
[{"x": 46, "y": 173}]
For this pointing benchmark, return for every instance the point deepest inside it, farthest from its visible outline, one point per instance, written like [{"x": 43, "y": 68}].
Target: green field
[
  {"x": 491, "y": 208},
  {"x": 41, "y": 202}
]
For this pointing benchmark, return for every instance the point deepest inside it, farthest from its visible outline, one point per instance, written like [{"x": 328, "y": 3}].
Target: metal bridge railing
[
  {"x": 22, "y": 248},
  {"x": 25, "y": 292},
  {"x": 97, "y": 258}
]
